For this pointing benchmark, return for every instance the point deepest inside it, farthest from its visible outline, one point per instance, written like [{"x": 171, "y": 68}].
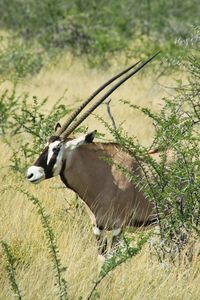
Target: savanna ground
[{"x": 21, "y": 225}]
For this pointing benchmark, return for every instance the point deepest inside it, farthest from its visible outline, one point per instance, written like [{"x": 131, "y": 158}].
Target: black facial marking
[
  {"x": 42, "y": 159},
  {"x": 56, "y": 150},
  {"x": 49, "y": 168}
]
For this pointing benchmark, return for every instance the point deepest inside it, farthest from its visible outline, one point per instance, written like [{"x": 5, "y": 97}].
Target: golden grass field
[{"x": 142, "y": 277}]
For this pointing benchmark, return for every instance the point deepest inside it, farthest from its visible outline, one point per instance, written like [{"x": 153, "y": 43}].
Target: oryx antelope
[{"x": 113, "y": 200}]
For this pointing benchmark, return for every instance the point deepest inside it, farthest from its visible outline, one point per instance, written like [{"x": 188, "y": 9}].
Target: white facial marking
[
  {"x": 58, "y": 165},
  {"x": 35, "y": 174},
  {"x": 50, "y": 151},
  {"x": 115, "y": 232}
]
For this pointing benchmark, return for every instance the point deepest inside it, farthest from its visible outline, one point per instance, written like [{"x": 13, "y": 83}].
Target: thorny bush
[{"x": 173, "y": 187}]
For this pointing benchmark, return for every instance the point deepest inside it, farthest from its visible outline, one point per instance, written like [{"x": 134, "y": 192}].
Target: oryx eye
[{"x": 55, "y": 149}]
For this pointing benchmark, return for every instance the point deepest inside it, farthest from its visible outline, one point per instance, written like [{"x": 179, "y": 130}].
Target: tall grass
[{"x": 60, "y": 281}]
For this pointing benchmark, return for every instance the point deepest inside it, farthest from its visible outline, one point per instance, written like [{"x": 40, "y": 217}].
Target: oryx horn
[
  {"x": 67, "y": 131},
  {"x": 94, "y": 94}
]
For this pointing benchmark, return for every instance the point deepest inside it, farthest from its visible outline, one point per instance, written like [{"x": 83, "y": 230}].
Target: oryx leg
[
  {"x": 115, "y": 237},
  {"x": 101, "y": 239},
  {"x": 99, "y": 233}
]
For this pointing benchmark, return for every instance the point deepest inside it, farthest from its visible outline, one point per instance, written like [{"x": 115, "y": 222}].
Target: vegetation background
[{"x": 53, "y": 54}]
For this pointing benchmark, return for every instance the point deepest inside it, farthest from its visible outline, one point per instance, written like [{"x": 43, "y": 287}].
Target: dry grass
[{"x": 143, "y": 277}]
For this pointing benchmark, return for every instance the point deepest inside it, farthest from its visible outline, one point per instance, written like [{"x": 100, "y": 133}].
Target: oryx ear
[
  {"x": 81, "y": 140},
  {"x": 57, "y": 127},
  {"x": 90, "y": 137}
]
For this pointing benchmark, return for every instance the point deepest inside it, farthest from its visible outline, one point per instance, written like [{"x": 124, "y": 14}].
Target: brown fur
[{"x": 112, "y": 198}]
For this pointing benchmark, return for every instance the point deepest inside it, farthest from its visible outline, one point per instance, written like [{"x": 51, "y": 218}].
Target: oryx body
[{"x": 113, "y": 200}]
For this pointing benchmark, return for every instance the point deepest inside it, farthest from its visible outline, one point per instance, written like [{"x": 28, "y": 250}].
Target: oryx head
[{"x": 50, "y": 161}]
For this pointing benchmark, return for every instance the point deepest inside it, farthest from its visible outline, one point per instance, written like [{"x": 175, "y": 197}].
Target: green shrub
[
  {"x": 27, "y": 120},
  {"x": 97, "y": 29},
  {"x": 19, "y": 59}
]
